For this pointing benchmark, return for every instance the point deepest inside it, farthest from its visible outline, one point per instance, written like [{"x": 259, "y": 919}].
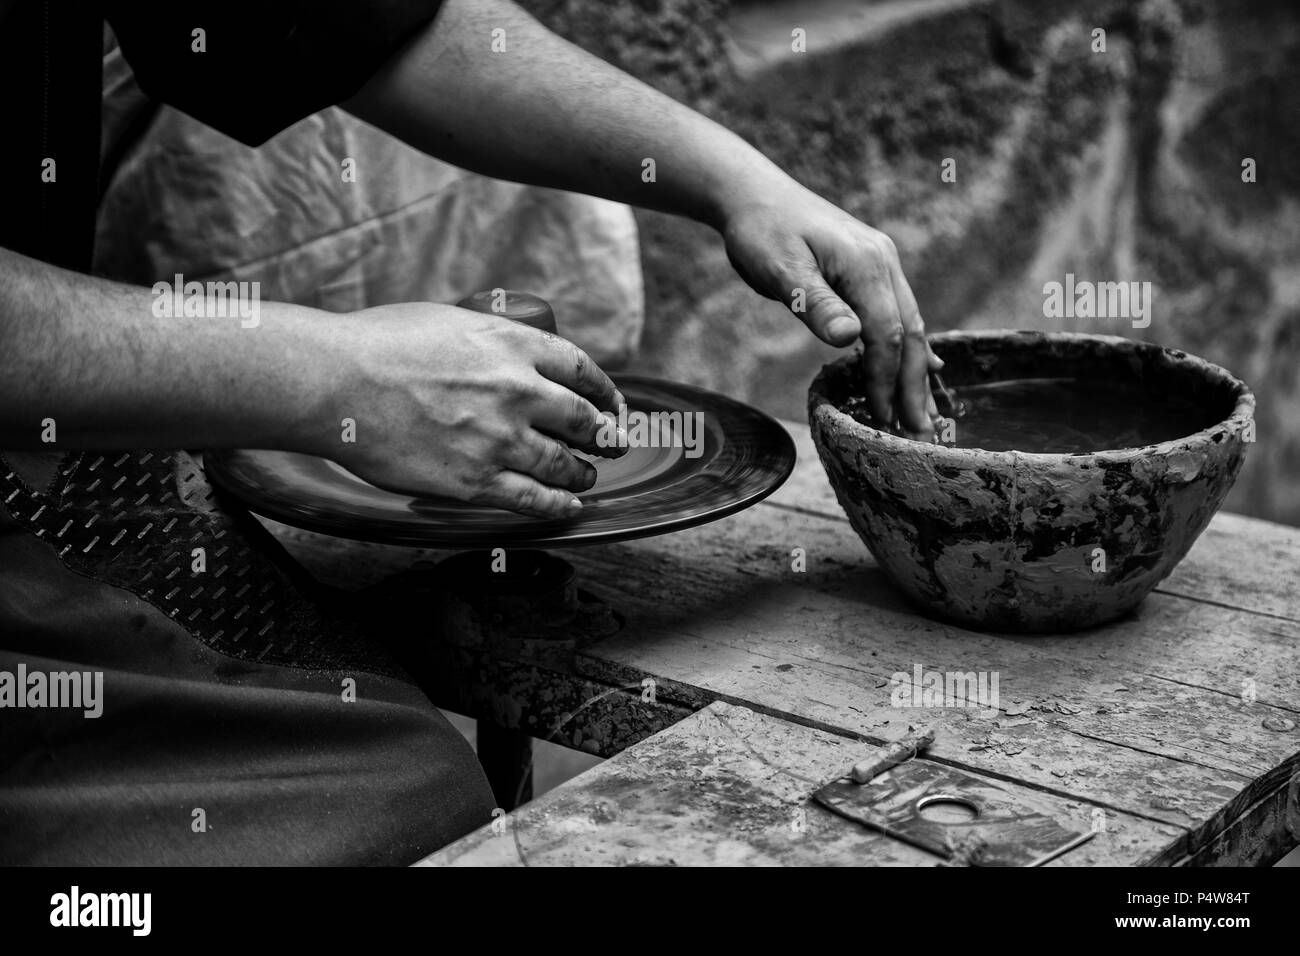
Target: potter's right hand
[
  {"x": 470, "y": 406},
  {"x": 844, "y": 280}
]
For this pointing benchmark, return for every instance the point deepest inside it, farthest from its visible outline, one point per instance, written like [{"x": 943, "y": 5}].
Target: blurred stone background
[{"x": 1122, "y": 165}]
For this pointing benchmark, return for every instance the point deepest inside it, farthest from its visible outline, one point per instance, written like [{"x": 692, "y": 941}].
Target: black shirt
[{"x": 256, "y": 68}]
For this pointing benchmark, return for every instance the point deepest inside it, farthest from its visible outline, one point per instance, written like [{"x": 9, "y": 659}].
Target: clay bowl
[{"x": 1005, "y": 540}]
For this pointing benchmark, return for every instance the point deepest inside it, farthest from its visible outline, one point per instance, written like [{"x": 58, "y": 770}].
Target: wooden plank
[
  {"x": 1238, "y": 562},
  {"x": 1264, "y": 834},
  {"x": 1146, "y": 716},
  {"x": 728, "y": 786},
  {"x": 1242, "y": 562}
]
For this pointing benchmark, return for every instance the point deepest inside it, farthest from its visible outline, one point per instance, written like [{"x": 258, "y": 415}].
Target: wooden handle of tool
[
  {"x": 522, "y": 307},
  {"x": 899, "y": 752}
]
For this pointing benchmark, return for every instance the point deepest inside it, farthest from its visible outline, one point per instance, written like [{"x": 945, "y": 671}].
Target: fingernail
[
  {"x": 574, "y": 506},
  {"x": 842, "y": 328}
]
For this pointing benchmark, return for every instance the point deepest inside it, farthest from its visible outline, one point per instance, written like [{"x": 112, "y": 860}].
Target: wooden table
[{"x": 1174, "y": 730}]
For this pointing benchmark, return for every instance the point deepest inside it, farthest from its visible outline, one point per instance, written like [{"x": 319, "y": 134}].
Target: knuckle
[
  {"x": 778, "y": 272},
  {"x": 522, "y": 386},
  {"x": 479, "y": 484},
  {"x": 582, "y": 418},
  {"x": 528, "y": 498},
  {"x": 816, "y": 291},
  {"x": 893, "y": 338},
  {"x": 879, "y": 269},
  {"x": 515, "y": 334},
  {"x": 880, "y": 244},
  {"x": 872, "y": 249},
  {"x": 558, "y": 459},
  {"x": 821, "y": 296},
  {"x": 500, "y": 442},
  {"x": 548, "y": 459},
  {"x": 535, "y": 459},
  {"x": 579, "y": 361}
]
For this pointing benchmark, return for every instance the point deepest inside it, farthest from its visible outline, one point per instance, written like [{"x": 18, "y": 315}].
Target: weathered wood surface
[
  {"x": 1183, "y": 715},
  {"x": 1151, "y": 716},
  {"x": 729, "y": 786}
]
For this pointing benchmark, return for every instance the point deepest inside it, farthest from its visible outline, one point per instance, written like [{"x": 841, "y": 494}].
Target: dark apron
[{"x": 228, "y": 732}]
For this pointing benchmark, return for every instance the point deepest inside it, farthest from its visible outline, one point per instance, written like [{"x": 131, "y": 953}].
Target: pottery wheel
[{"x": 744, "y": 455}]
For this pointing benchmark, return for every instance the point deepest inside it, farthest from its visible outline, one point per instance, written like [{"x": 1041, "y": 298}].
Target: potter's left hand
[{"x": 843, "y": 279}]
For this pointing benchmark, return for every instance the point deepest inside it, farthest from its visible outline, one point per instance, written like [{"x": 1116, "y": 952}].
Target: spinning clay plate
[{"x": 743, "y": 457}]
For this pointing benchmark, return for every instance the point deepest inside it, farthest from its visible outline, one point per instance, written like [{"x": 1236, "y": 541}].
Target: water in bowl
[{"x": 1066, "y": 416}]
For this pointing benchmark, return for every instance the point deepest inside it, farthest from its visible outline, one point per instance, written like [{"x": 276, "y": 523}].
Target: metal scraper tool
[{"x": 1006, "y": 830}]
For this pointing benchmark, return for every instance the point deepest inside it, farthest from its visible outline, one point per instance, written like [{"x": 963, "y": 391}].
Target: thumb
[{"x": 827, "y": 315}]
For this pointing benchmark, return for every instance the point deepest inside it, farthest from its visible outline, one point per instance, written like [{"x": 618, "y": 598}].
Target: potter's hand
[
  {"x": 577, "y": 123},
  {"x": 843, "y": 280},
  {"x": 471, "y": 406}
]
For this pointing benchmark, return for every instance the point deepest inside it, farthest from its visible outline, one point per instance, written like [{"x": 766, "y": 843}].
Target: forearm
[
  {"x": 92, "y": 356},
  {"x": 547, "y": 113},
  {"x": 542, "y": 111}
]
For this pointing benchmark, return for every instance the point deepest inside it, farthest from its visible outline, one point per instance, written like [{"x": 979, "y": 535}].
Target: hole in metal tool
[{"x": 946, "y": 808}]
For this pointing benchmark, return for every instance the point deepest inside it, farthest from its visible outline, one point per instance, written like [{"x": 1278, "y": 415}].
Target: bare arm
[
  {"x": 545, "y": 112},
  {"x": 445, "y": 401},
  {"x": 91, "y": 355}
]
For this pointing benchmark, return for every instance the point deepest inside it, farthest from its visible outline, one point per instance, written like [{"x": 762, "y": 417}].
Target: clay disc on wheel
[{"x": 727, "y": 457}]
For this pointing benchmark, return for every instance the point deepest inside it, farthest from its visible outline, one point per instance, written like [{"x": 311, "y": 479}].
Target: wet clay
[{"x": 1067, "y": 416}]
